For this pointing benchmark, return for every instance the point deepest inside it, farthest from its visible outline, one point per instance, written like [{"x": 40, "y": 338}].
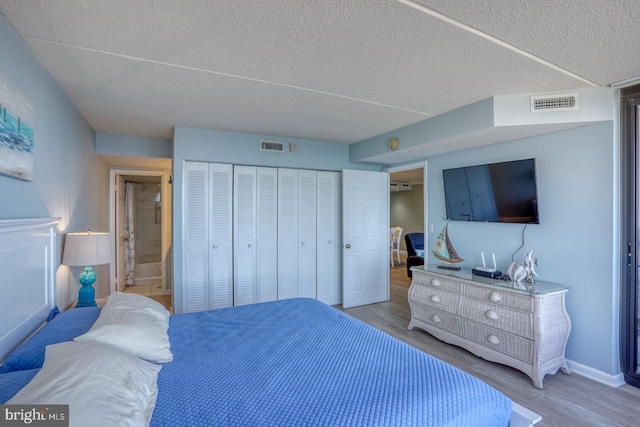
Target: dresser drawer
[
  {"x": 503, "y": 342},
  {"x": 435, "y": 297},
  {"x": 438, "y": 318},
  {"x": 497, "y": 296},
  {"x": 514, "y": 321},
  {"x": 449, "y": 285}
]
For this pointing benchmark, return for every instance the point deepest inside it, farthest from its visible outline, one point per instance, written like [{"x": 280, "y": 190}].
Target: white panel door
[
  {"x": 287, "y": 233},
  {"x": 195, "y": 257},
  {"x": 267, "y": 234},
  {"x": 244, "y": 226},
  {"x": 328, "y": 238},
  {"x": 307, "y": 219},
  {"x": 365, "y": 203},
  {"x": 220, "y": 236}
]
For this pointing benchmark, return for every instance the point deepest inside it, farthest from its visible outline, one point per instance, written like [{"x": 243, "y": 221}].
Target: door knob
[{"x": 347, "y": 246}]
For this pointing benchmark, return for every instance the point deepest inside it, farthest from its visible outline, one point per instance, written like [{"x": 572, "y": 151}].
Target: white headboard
[{"x": 27, "y": 278}]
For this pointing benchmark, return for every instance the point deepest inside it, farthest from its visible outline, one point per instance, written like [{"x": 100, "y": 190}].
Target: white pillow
[
  {"x": 102, "y": 385},
  {"x": 138, "y": 303},
  {"x": 135, "y": 324}
]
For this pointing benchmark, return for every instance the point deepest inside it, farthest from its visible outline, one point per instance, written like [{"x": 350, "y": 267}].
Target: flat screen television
[{"x": 496, "y": 192}]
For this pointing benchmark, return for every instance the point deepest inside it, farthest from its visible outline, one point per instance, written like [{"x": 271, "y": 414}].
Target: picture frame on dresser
[{"x": 500, "y": 321}]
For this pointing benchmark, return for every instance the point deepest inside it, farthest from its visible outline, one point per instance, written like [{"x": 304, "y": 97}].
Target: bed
[{"x": 293, "y": 362}]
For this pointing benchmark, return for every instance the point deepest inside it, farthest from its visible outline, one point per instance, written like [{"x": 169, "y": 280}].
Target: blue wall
[
  {"x": 70, "y": 180},
  {"x": 574, "y": 242},
  {"x": 135, "y": 146},
  {"x": 240, "y": 148}
]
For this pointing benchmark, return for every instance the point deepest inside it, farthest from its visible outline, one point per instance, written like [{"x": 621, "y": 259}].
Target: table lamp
[{"x": 87, "y": 249}]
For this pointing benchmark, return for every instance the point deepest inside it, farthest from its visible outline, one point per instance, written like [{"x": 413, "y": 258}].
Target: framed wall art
[{"x": 16, "y": 131}]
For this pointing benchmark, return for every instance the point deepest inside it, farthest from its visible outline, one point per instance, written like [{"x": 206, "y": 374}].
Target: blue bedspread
[
  {"x": 64, "y": 327},
  {"x": 303, "y": 363}
]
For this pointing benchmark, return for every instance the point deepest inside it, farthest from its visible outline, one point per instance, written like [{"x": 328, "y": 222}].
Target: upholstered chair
[{"x": 414, "y": 241}]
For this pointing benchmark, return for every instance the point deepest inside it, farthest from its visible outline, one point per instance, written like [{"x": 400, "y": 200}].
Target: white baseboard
[{"x": 596, "y": 375}]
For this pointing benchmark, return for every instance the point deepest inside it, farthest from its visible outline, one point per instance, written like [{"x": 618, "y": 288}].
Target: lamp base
[{"x": 86, "y": 294}]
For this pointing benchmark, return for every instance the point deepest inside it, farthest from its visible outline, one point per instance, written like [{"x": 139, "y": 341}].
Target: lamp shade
[{"x": 82, "y": 249}]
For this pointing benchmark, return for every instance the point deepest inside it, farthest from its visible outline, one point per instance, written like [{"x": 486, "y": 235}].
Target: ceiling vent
[
  {"x": 542, "y": 104},
  {"x": 272, "y": 146},
  {"x": 399, "y": 186}
]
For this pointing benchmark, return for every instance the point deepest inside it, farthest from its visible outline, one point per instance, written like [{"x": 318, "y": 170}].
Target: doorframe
[
  {"x": 164, "y": 218},
  {"x": 410, "y": 166}
]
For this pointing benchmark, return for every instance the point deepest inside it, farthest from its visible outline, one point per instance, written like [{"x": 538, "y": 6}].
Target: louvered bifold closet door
[
  {"x": 195, "y": 255},
  {"x": 267, "y": 234},
  {"x": 307, "y": 219},
  {"x": 220, "y": 236},
  {"x": 207, "y": 261},
  {"x": 244, "y": 226},
  {"x": 329, "y": 274},
  {"x": 287, "y": 233}
]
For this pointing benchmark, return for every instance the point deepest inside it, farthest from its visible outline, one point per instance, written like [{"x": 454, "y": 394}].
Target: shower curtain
[{"x": 129, "y": 234}]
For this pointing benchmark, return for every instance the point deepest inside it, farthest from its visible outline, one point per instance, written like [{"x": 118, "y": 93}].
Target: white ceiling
[
  {"x": 332, "y": 70},
  {"x": 414, "y": 176}
]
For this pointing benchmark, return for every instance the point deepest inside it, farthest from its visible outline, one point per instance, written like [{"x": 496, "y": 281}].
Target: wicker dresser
[{"x": 499, "y": 321}]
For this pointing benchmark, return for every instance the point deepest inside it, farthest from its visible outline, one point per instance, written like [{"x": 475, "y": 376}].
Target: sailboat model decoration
[{"x": 444, "y": 250}]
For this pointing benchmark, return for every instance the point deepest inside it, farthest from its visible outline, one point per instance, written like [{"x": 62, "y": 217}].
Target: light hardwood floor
[
  {"x": 153, "y": 291},
  {"x": 566, "y": 400}
]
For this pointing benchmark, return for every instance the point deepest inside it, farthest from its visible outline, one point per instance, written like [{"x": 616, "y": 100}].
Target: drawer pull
[
  {"x": 491, "y": 315},
  {"x": 435, "y": 298},
  {"x": 435, "y": 282},
  {"x": 435, "y": 318},
  {"x": 495, "y": 297},
  {"x": 493, "y": 339}
]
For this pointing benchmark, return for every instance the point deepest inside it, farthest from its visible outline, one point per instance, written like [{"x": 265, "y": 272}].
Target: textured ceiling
[{"x": 335, "y": 70}]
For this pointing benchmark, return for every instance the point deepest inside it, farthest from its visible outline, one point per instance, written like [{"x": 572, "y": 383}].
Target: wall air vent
[
  {"x": 399, "y": 186},
  {"x": 543, "y": 104},
  {"x": 272, "y": 146}
]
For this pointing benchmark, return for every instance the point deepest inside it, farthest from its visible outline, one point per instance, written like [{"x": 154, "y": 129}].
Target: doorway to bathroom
[{"x": 141, "y": 228}]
